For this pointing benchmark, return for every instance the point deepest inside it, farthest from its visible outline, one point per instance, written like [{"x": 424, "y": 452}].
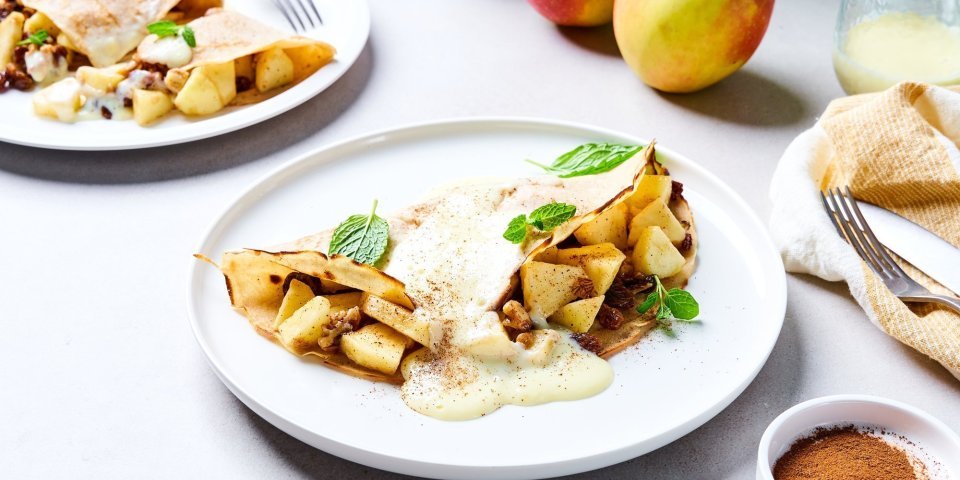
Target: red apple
[
  {"x": 686, "y": 45},
  {"x": 575, "y": 13}
]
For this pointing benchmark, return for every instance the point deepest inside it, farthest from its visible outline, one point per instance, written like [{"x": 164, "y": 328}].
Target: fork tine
[
  {"x": 313, "y": 5},
  {"x": 833, "y": 218},
  {"x": 286, "y": 15},
  {"x": 293, "y": 13},
  {"x": 873, "y": 259},
  {"x": 873, "y": 238},
  {"x": 851, "y": 234},
  {"x": 302, "y": 11}
]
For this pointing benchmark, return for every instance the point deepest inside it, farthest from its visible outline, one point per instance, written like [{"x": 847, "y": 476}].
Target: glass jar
[{"x": 878, "y": 43}]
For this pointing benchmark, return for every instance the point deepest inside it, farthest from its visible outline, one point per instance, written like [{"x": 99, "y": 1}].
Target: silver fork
[
  {"x": 842, "y": 209},
  {"x": 298, "y": 10}
]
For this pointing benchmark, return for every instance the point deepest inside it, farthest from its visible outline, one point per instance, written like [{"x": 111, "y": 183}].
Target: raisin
[
  {"x": 619, "y": 296},
  {"x": 243, "y": 84},
  {"x": 588, "y": 342},
  {"x": 610, "y": 318},
  {"x": 686, "y": 243},
  {"x": 676, "y": 191},
  {"x": 106, "y": 112}
]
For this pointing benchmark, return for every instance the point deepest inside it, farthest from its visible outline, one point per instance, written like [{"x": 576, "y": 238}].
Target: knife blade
[{"x": 926, "y": 251}]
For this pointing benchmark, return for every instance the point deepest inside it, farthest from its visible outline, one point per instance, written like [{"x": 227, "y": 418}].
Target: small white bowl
[{"x": 934, "y": 443}]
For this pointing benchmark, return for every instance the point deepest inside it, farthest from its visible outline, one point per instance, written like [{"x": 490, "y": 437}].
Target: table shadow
[
  {"x": 595, "y": 39},
  {"x": 747, "y": 98},
  {"x": 193, "y": 158}
]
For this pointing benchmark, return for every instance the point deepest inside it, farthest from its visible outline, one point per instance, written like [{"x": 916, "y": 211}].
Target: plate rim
[
  {"x": 445, "y": 470},
  {"x": 194, "y": 134}
]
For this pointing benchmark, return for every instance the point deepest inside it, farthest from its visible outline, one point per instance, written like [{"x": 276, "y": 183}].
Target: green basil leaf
[
  {"x": 37, "y": 38},
  {"x": 517, "y": 229},
  {"x": 682, "y": 304},
  {"x": 648, "y": 303},
  {"x": 551, "y": 215},
  {"x": 590, "y": 159},
  {"x": 363, "y": 238}
]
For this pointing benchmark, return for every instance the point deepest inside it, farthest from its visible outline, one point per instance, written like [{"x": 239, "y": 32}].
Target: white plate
[
  {"x": 664, "y": 388},
  {"x": 346, "y": 25}
]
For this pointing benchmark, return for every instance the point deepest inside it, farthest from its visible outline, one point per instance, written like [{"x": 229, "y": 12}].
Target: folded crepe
[
  {"x": 107, "y": 30},
  {"x": 447, "y": 257},
  {"x": 224, "y": 36}
]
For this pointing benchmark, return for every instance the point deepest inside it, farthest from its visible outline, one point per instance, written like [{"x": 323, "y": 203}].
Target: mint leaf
[
  {"x": 363, "y": 238},
  {"x": 544, "y": 219},
  {"x": 167, "y": 28},
  {"x": 648, "y": 303},
  {"x": 682, "y": 304},
  {"x": 164, "y": 28},
  {"x": 516, "y": 229},
  {"x": 187, "y": 33},
  {"x": 551, "y": 215},
  {"x": 37, "y": 38},
  {"x": 590, "y": 159}
]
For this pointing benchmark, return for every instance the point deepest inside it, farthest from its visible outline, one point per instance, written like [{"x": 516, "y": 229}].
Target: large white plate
[
  {"x": 663, "y": 389},
  {"x": 346, "y": 25}
]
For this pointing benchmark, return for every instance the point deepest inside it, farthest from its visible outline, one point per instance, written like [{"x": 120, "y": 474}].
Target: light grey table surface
[{"x": 100, "y": 376}]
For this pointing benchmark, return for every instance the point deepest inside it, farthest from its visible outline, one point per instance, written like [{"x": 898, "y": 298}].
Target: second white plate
[
  {"x": 664, "y": 388},
  {"x": 346, "y": 26}
]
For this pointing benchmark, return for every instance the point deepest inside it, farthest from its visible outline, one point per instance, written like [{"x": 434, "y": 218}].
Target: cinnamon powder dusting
[{"x": 846, "y": 453}]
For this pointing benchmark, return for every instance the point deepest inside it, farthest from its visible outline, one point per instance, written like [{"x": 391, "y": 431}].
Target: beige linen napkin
[{"x": 896, "y": 149}]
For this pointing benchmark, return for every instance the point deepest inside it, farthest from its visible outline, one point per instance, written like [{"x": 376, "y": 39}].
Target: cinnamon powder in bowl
[
  {"x": 846, "y": 453},
  {"x": 846, "y": 437}
]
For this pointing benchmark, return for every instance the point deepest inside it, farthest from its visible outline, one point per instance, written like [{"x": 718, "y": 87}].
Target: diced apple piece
[
  {"x": 298, "y": 294},
  {"x": 99, "y": 78},
  {"x": 149, "y": 105},
  {"x": 652, "y": 187},
  {"x": 548, "y": 255},
  {"x": 376, "y": 346},
  {"x": 547, "y": 287},
  {"x": 610, "y": 226},
  {"x": 487, "y": 338},
  {"x": 344, "y": 301},
  {"x": 657, "y": 213},
  {"x": 578, "y": 316},
  {"x": 302, "y": 330},
  {"x": 309, "y": 58},
  {"x": 397, "y": 317},
  {"x": 224, "y": 77},
  {"x": 11, "y": 29},
  {"x": 199, "y": 96},
  {"x": 38, "y": 21},
  {"x": 274, "y": 69},
  {"x": 601, "y": 262},
  {"x": 243, "y": 67},
  {"x": 61, "y": 100},
  {"x": 654, "y": 254}
]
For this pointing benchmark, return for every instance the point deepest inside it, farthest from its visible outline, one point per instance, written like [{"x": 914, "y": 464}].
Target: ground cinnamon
[{"x": 843, "y": 453}]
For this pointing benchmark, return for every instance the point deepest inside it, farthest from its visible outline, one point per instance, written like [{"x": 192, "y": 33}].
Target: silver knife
[{"x": 926, "y": 251}]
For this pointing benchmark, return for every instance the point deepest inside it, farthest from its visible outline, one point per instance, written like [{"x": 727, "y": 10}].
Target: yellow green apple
[
  {"x": 575, "y": 13},
  {"x": 685, "y": 45}
]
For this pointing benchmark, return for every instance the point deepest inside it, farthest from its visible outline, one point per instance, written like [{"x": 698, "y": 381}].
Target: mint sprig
[
  {"x": 673, "y": 304},
  {"x": 38, "y": 38},
  {"x": 543, "y": 219},
  {"x": 363, "y": 238},
  {"x": 590, "y": 159},
  {"x": 167, "y": 28}
]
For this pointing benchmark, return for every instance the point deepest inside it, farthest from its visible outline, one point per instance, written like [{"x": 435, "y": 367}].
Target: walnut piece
[
  {"x": 610, "y": 318},
  {"x": 340, "y": 322},
  {"x": 517, "y": 317},
  {"x": 584, "y": 288},
  {"x": 526, "y": 339}
]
